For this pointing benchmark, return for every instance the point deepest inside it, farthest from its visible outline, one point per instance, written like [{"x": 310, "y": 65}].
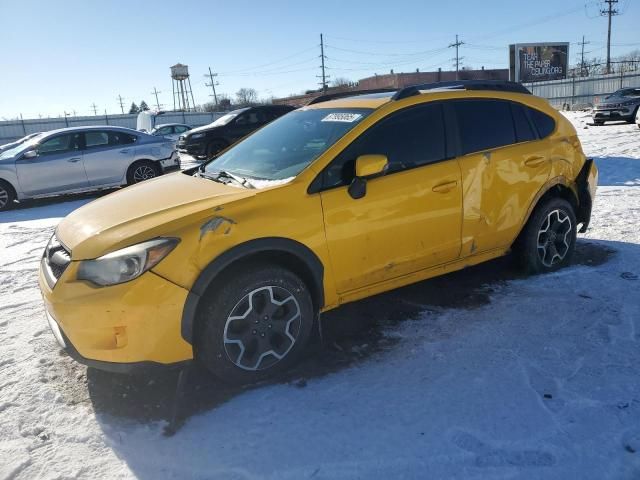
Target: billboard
[{"x": 536, "y": 62}]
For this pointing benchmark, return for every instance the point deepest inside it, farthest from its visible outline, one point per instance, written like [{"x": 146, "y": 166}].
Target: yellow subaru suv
[{"x": 231, "y": 263}]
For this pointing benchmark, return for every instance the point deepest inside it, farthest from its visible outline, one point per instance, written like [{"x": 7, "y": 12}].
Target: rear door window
[
  {"x": 121, "y": 138},
  {"x": 96, "y": 139},
  {"x": 484, "y": 124}
]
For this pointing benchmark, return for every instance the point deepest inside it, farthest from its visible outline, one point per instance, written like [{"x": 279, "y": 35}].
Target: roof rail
[
  {"x": 491, "y": 85},
  {"x": 350, "y": 93}
]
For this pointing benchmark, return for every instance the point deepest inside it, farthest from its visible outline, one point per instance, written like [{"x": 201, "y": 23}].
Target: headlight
[
  {"x": 126, "y": 264},
  {"x": 197, "y": 135}
]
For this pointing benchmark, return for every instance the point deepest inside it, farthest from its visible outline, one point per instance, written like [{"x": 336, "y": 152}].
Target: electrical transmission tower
[
  {"x": 94, "y": 108},
  {"x": 324, "y": 76},
  {"x": 121, "y": 101},
  {"x": 458, "y": 58},
  {"x": 609, "y": 12},
  {"x": 213, "y": 84}
]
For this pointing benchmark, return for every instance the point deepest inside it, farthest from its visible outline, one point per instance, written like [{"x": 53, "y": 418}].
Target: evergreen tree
[
  {"x": 143, "y": 106},
  {"x": 134, "y": 108}
]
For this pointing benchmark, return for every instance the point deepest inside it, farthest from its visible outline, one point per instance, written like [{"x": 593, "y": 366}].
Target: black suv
[{"x": 208, "y": 140}]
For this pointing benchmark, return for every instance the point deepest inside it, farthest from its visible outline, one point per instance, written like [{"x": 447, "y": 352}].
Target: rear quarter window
[{"x": 543, "y": 122}]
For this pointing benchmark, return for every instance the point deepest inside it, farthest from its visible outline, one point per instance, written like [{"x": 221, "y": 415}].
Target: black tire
[
  {"x": 546, "y": 231},
  {"x": 7, "y": 196},
  {"x": 239, "y": 325},
  {"x": 598, "y": 122},
  {"x": 632, "y": 118},
  {"x": 142, "y": 170},
  {"x": 215, "y": 147}
]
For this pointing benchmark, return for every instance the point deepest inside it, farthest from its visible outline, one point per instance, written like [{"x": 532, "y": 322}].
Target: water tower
[{"x": 182, "y": 88}]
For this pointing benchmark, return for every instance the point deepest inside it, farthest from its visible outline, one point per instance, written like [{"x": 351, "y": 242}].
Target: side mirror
[
  {"x": 30, "y": 154},
  {"x": 367, "y": 167}
]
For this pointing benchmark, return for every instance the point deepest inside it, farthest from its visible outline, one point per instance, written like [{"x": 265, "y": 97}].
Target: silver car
[{"x": 80, "y": 159}]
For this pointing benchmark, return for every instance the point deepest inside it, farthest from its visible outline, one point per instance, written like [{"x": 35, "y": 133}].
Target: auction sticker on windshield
[{"x": 342, "y": 117}]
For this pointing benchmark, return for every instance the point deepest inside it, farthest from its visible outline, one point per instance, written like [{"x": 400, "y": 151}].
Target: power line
[
  {"x": 457, "y": 45},
  {"x": 609, "y": 12},
  {"x": 94, "y": 108}
]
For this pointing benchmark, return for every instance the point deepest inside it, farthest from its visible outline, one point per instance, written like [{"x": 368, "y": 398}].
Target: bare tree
[
  {"x": 246, "y": 96},
  {"x": 341, "y": 82}
]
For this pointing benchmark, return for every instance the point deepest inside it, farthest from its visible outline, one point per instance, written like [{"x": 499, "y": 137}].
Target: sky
[{"x": 67, "y": 55}]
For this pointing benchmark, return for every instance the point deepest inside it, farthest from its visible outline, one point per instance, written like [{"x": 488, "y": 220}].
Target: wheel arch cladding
[
  {"x": 556, "y": 188},
  {"x": 287, "y": 253}
]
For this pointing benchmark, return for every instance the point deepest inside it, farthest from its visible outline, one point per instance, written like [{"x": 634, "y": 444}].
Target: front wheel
[
  {"x": 548, "y": 240},
  {"x": 254, "y": 325}
]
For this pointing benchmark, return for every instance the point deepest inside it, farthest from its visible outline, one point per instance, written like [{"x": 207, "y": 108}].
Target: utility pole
[
  {"x": 156, "y": 92},
  {"x": 121, "y": 101},
  {"x": 609, "y": 12},
  {"x": 457, "y": 45},
  {"x": 322, "y": 58},
  {"x": 212, "y": 85},
  {"x": 582, "y": 69},
  {"x": 94, "y": 108}
]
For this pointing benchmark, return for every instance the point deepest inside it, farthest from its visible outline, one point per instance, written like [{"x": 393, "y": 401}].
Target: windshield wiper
[
  {"x": 218, "y": 174},
  {"x": 241, "y": 180}
]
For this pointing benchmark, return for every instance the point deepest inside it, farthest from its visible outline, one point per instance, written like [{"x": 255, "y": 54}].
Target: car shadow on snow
[{"x": 349, "y": 334}]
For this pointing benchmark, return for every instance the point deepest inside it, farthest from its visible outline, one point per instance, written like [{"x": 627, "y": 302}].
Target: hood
[
  {"x": 204, "y": 128},
  {"x": 618, "y": 101},
  {"x": 142, "y": 211}
]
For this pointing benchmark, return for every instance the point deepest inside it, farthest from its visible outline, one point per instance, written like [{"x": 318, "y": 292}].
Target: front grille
[{"x": 56, "y": 258}]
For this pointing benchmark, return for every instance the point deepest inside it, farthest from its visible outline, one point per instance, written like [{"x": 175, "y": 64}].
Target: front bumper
[
  {"x": 586, "y": 183},
  {"x": 195, "y": 149},
  {"x": 124, "y": 328},
  {"x": 614, "y": 113}
]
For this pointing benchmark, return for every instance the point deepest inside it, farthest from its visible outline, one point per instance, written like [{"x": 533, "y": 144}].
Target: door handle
[
  {"x": 124, "y": 151},
  {"x": 445, "y": 187},
  {"x": 535, "y": 161},
  {"x": 73, "y": 160}
]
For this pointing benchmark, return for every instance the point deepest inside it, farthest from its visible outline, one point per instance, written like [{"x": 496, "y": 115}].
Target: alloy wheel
[
  {"x": 554, "y": 238},
  {"x": 143, "y": 172},
  {"x": 262, "y": 328}
]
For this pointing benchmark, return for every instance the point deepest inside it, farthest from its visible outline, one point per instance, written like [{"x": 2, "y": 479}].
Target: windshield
[
  {"x": 21, "y": 146},
  {"x": 223, "y": 120},
  {"x": 286, "y": 146}
]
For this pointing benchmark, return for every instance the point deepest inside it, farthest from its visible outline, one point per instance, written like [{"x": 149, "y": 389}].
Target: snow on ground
[{"x": 479, "y": 374}]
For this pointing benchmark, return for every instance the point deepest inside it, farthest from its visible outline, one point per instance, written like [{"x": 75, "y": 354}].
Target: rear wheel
[
  {"x": 141, "y": 171},
  {"x": 548, "y": 240},
  {"x": 255, "y": 325},
  {"x": 7, "y": 196}
]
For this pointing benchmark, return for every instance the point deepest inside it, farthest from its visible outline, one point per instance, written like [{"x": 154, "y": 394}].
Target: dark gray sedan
[{"x": 79, "y": 159}]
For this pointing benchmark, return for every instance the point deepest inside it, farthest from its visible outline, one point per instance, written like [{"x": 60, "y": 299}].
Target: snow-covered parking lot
[{"x": 481, "y": 374}]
